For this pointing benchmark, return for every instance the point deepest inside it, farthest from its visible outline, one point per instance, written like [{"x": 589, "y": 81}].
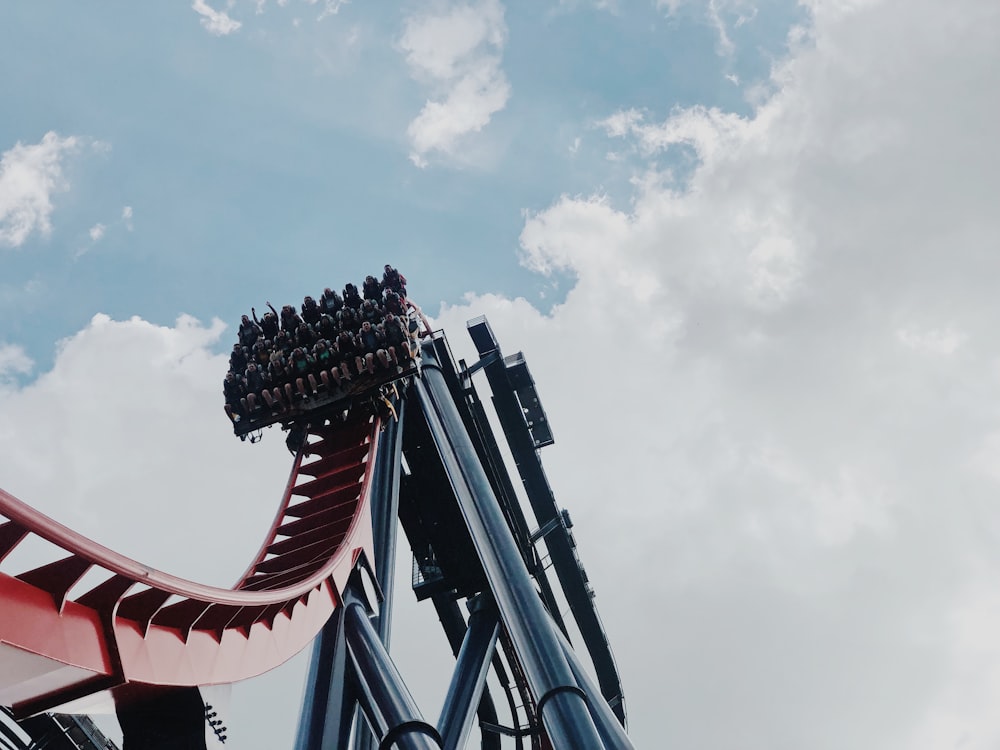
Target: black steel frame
[{"x": 459, "y": 511}]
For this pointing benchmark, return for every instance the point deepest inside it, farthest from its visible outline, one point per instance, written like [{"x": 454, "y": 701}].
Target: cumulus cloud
[
  {"x": 124, "y": 439},
  {"x": 13, "y": 361},
  {"x": 29, "y": 176},
  {"x": 216, "y": 22},
  {"x": 772, "y": 386},
  {"x": 455, "y": 50},
  {"x": 772, "y": 389},
  {"x": 124, "y": 402}
]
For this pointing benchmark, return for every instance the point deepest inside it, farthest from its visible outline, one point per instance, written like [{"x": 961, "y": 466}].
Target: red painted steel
[{"x": 138, "y": 626}]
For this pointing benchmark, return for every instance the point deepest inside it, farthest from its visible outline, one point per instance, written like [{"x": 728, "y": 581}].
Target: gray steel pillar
[
  {"x": 388, "y": 706},
  {"x": 562, "y": 705},
  {"x": 329, "y": 704},
  {"x": 471, "y": 668},
  {"x": 604, "y": 718}
]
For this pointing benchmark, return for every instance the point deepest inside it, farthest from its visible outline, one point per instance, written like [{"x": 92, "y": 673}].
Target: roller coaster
[{"x": 416, "y": 451}]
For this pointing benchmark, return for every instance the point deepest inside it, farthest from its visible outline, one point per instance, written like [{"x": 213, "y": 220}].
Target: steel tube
[
  {"x": 562, "y": 705},
  {"x": 328, "y": 704},
  {"x": 385, "y": 510},
  {"x": 604, "y": 718},
  {"x": 390, "y": 709},
  {"x": 468, "y": 679}
]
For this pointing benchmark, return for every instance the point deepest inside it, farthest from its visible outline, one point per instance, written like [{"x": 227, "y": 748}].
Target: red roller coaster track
[{"x": 139, "y": 627}]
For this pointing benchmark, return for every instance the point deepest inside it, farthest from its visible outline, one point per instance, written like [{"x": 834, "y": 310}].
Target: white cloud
[
  {"x": 97, "y": 232},
  {"x": 13, "y": 360},
  {"x": 127, "y": 217},
  {"x": 455, "y": 50},
  {"x": 29, "y": 176},
  {"x": 216, "y": 22},
  {"x": 124, "y": 439},
  {"x": 721, "y": 15},
  {"x": 773, "y": 392},
  {"x": 330, "y": 7},
  {"x": 772, "y": 388},
  {"x": 941, "y": 341}
]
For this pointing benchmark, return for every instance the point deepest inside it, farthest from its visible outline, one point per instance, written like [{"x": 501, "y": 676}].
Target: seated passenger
[
  {"x": 336, "y": 363},
  {"x": 249, "y": 332},
  {"x": 394, "y": 304},
  {"x": 261, "y": 353},
  {"x": 331, "y": 302},
  {"x": 238, "y": 359},
  {"x": 397, "y": 340},
  {"x": 328, "y": 327},
  {"x": 234, "y": 391},
  {"x": 300, "y": 366},
  {"x": 257, "y": 384},
  {"x": 284, "y": 343},
  {"x": 269, "y": 323},
  {"x": 381, "y": 350},
  {"x": 310, "y": 311},
  {"x": 372, "y": 289},
  {"x": 348, "y": 349},
  {"x": 323, "y": 363},
  {"x": 351, "y": 297},
  {"x": 290, "y": 319},
  {"x": 394, "y": 280},
  {"x": 304, "y": 336},
  {"x": 371, "y": 312},
  {"x": 277, "y": 371},
  {"x": 348, "y": 320},
  {"x": 368, "y": 346}
]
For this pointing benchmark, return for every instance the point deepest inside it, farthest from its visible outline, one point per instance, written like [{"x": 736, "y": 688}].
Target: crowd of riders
[{"x": 288, "y": 357}]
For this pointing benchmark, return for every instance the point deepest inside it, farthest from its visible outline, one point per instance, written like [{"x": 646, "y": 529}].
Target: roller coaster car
[{"x": 325, "y": 403}]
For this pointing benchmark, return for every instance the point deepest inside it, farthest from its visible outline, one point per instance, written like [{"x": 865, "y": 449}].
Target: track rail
[{"x": 138, "y": 626}]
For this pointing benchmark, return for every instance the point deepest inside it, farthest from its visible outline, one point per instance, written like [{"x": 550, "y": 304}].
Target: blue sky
[
  {"x": 279, "y": 151},
  {"x": 749, "y": 250}
]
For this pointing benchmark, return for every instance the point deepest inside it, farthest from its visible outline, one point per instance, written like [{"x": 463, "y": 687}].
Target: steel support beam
[
  {"x": 543, "y": 504},
  {"x": 471, "y": 668},
  {"x": 385, "y": 512},
  {"x": 562, "y": 705},
  {"x": 329, "y": 703},
  {"x": 388, "y": 706},
  {"x": 610, "y": 728},
  {"x": 456, "y": 629}
]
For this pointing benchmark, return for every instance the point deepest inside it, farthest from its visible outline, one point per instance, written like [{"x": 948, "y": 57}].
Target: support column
[
  {"x": 329, "y": 702},
  {"x": 388, "y": 706},
  {"x": 604, "y": 718},
  {"x": 385, "y": 514},
  {"x": 471, "y": 668},
  {"x": 561, "y": 703}
]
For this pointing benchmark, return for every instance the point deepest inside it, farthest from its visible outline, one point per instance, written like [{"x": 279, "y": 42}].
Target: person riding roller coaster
[
  {"x": 331, "y": 302},
  {"x": 394, "y": 280},
  {"x": 310, "y": 311},
  {"x": 351, "y": 297},
  {"x": 290, "y": 319},
  {"x": 269, "y": 323},
  {"x": 286, "y": 357},
  {"x": 372, "y": 289}
]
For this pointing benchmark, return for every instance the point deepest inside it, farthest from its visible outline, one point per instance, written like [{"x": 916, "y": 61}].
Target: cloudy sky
[{"x": 748, "y": 249}]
